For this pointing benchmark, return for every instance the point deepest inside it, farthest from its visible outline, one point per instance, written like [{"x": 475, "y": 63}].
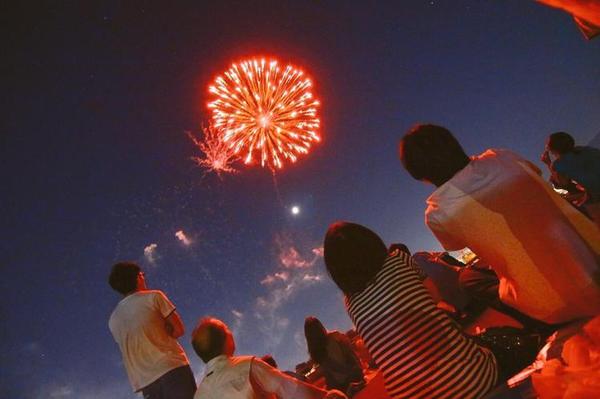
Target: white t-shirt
[
  {"x": 138, "y": 326},
  {"x": 245, "y": 377},
  {"x": 544, "y": 251}
]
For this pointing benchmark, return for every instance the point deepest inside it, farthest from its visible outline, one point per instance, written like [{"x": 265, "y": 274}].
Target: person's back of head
[
  {"x": 353, "y": 255},
  {"x": 431, "y": 153},
  {"x": 561, "y": 143},
  {"x": 316, "y": 339},
  {"x": 124, "y": 277},
  {"x": 212, "y": 338},
  {"x": 269, "y": 360}
]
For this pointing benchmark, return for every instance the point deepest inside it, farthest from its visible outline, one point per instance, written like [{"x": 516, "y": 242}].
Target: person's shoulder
[
  {"x": 588, "y": 151},
  {"x": 499, "y": 161},
  {"x": 153, "y": 294},
  {"x": 395, "y": 261},
  {"x": 336, "y": 334},
  {"x": 242, "y": 360},
  {"x": 496, "y": 153}
]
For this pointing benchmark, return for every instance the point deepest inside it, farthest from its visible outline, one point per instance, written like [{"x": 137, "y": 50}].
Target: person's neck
[{"x": 458, "y": 167}]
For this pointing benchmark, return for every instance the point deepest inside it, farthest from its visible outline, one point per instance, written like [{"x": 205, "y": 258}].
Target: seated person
[
  {"x": 243, "y": 377},
  {"x": 580, "y": 164},
  {"x": 544, "y": 252},
  {"x": 420, "y": 351},
  {"x": 333, "y": 353}
]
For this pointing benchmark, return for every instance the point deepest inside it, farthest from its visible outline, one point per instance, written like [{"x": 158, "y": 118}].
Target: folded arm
[{"x": 174, "y": 325}]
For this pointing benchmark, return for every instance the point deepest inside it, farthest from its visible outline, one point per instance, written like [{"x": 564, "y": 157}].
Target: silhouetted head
[
  {"x": 316, "y": 339},
  {"x": 431, "y": 153},
  {"x": 212, "y": 338},
  {"x": 126, "y": 277},
  {"x": 269, "y": 360},
  {"x": 353, "y": 255},
  {"x": 560, "y": 143}
]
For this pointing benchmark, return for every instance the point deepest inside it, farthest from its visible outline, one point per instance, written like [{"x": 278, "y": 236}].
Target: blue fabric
[{"x": 583, "y": 166}]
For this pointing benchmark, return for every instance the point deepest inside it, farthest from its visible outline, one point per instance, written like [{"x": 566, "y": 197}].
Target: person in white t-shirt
[
  {"x": 243, "y": 377},
  {"x": 146, "y": 326},
  {"x": 546, "y": 254}
]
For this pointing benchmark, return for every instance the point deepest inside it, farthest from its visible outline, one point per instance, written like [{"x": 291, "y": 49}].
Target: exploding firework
[
  {"x": 217, "y": 156},
  {"x": 265, "y": 110}
]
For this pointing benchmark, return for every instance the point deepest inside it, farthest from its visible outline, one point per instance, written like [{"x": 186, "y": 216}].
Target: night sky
[{"x": 96, "y": 167}]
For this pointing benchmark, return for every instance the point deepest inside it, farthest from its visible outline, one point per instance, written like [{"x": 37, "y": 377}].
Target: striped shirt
[{"x": 420, "y": 351}]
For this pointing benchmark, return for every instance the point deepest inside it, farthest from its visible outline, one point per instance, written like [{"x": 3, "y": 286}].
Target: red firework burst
[{"x": 266, "y": 110}]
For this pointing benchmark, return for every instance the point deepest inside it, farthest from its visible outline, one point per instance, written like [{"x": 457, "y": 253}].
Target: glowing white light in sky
[{"x": 295, "y": 210}]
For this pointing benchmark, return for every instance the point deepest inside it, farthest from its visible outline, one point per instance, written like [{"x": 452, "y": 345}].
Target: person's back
[
  {"x": 146, "y": 326},
  {"x": 419, "y": 349},
  {"x": 543, "y": 250},
  {"x": 148, "y": 351}
]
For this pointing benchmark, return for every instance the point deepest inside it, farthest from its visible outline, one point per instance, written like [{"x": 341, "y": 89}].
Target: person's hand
[
  {"x": 546, "y": 157},
  {"x": 335, "y": 394}
]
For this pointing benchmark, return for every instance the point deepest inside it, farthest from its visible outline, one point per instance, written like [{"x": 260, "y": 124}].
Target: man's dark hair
[
  {"x": 432, "y": 153},
  {"x": 269, "y": 360},
  {"x": 353, "y": 255},
  {"x": 316, "y": 339},
  {"x": 123, "y": 277},
  {"x": 561, "y": 142},
  {"x": 220, "y": 339}
]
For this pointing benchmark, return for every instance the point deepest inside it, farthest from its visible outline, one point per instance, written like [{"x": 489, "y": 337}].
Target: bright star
[{"x": 295, "y": 210}]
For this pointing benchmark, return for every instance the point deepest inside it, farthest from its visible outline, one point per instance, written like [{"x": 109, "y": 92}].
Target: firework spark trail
[
  {"x": 263, "y": 108},
  {"x": 218, "y": 157}
]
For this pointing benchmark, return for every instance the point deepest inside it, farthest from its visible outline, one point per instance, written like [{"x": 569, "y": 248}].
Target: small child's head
[{"x": 431, "y": 153}]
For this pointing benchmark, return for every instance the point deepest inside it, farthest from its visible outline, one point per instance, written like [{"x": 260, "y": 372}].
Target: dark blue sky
[{"x": 95, "y": 162}]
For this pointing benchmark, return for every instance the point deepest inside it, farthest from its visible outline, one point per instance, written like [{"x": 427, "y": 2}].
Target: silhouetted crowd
[{"x": 536, "y": 260}]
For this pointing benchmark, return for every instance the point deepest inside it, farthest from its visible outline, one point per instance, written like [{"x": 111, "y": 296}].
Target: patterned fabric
[{"x": 420, "y": 351}]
